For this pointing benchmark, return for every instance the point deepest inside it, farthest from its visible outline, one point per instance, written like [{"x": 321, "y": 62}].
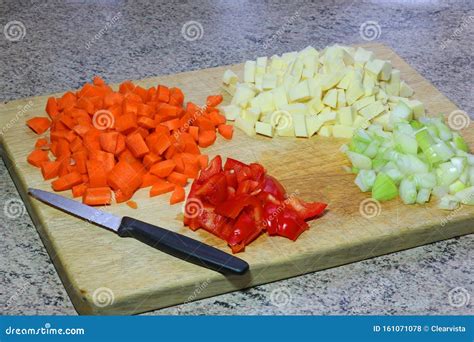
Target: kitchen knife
[{"x": 164, "y": 240}]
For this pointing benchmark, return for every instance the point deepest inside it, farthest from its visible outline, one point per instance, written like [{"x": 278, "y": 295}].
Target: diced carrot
[
  {"x": 194, "y": 131},
  {"x": 78, "y": 190},
  {"x": 226, "y": 131},
  {"x": 121, "y": 196},
  {"x": 52, "y": 107},
  {"x": 177, "y": 96},
  {"x": 146, "y": 122},
  {"x": 163, "y": 169},
  {"x": 168, "y": 111},
  {"x": 163, "y": 94},
  {"x": 177, "y": 178},
  {"x": 172, "y": 124},
  {"x": 132, "y": 204},
  {"x": 178, "y": 160},
  {"x": 203, "y": 161},
  {"x": 178, "y": 195},
  {"x": 113, "y": 99},
  {"x": 126, "y": 123},
  {"x": 120, "y": 144},
  {"x": 97, "y": 196},
  {"x": 124, "y": 177},
  {"x": 205, "y": 124},
  {"x": 97, "y": 174},
  {"x": 108, "y": 141},
  {"x": 38, "y": 124},
  {"x": 37, "y": 157},
  {"x": 64, "y": 167},
  {"x": 41, "y": 143},
  {"x": 50, "y": 169},
  {"x": 149, "y": 179},
  {"x": 191, "y": 170},
  {"x": 80, "y": 157},
  {"x": 129, "y": 106},
  {"x": 213, "y": 100},
  {"x": 145, "y": 110},
  {"x": 207, "y": 138},
  {"x": 68, "y": 100},
  {"x": 136, "y": 144},
  {"x": 216, "y": 118},
  {"x": 161, "y": 187},
  {"x": 150, "y": 159},
  {"x": 67, "y": 181},
  {"x": 86, "y": 104},
  {"x": 162, "y": 144},
  {"x": 76, "y": 144},
  {"x": 106, "y": 159},
  {"x": 97, "y": 80}
]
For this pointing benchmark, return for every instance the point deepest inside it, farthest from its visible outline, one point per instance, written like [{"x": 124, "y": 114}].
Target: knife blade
[{"x": 162, "y": 239}]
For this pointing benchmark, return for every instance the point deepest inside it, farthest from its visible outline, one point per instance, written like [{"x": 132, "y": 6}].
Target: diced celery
[
  {"x": 447, "y": 173},
  {"x": 459, "y": 142},
  {"x": 372, "y": 149},
  {"x": 424, "y": 139},
  {"x": 456, "y": 187},
  {"x": 357, "y": 146},
  {"x": 444, "y": 131},
  {"x": 466, "y": 196},
  {"x": 459, "y": 163},
  {"x": 448, "y": 202},
  {"x": 384, "y": 188},
  {"x": 359, "y": 160},
  {"x": 378, "y": 164},
  {"x": 408, "y": 191},
  {"x": 365, "y": 180},
  {"x": 425, "y": 180},
  {"x": 423, "y": 196},
  {"x": 410, "y": 164},
  {"x": 406, "y": 142},
  {"x": 416, "y": 124}
]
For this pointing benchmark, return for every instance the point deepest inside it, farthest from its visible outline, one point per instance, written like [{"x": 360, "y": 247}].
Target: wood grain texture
[{"x": 89, "y": 259}]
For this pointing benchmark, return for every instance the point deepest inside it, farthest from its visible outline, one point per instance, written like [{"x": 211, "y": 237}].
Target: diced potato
[
  {"x": 243, "y": 94},
  {"x": 326, "y": 131},
  {"x": 300, "y": 92},
  {"x": 231, "y": 112},
  {"x": 330, "y": 99},
  {"x": 229, "y": 77},
  {"x": 279, "y": 96},
  {"x": 342, "y": 131},
  {"x": 372, "y": 110},
  {"x": 346, "y": 116},
  {"x": 246, "y": 126},
  {"x": 249, "y": 71},
  {"x": 264, "y": 129},
  {"x": 313, "y": 124},
  {"x": 300, "y": 125},
  {"x": 405, "y": 90}
]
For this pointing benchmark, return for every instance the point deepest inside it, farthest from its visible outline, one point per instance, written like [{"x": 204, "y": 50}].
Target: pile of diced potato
[{"x": 332, "y": 93}]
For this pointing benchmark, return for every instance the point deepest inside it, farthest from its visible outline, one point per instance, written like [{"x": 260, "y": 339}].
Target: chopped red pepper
[{"x": 239, "y": 202}]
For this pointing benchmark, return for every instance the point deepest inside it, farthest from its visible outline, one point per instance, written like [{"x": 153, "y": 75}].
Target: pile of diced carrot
[{"x": 103, "y": 141}]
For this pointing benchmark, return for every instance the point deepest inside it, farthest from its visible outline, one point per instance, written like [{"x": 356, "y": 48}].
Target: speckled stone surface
[{"x": 65, "y": 43}]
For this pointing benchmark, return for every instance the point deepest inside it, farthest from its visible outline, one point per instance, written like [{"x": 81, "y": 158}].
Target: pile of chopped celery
[{"x": 415, "y": 159}]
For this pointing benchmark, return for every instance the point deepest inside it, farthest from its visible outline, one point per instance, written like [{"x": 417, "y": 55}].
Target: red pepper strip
[
  {"x": 306, "y": 210},
  {"x": 214, "y": 167},
  {"x": 214, "y": 190}
]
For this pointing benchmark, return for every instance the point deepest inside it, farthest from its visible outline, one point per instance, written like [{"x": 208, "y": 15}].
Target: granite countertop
[{"x": 60, "y": 45}]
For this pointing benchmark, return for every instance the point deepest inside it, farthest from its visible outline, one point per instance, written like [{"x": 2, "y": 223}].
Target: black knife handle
[{"x": 181, "y": 246}]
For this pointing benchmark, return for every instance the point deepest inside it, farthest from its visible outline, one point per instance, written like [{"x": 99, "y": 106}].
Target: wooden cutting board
[{"x": 105, "y": 274}]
